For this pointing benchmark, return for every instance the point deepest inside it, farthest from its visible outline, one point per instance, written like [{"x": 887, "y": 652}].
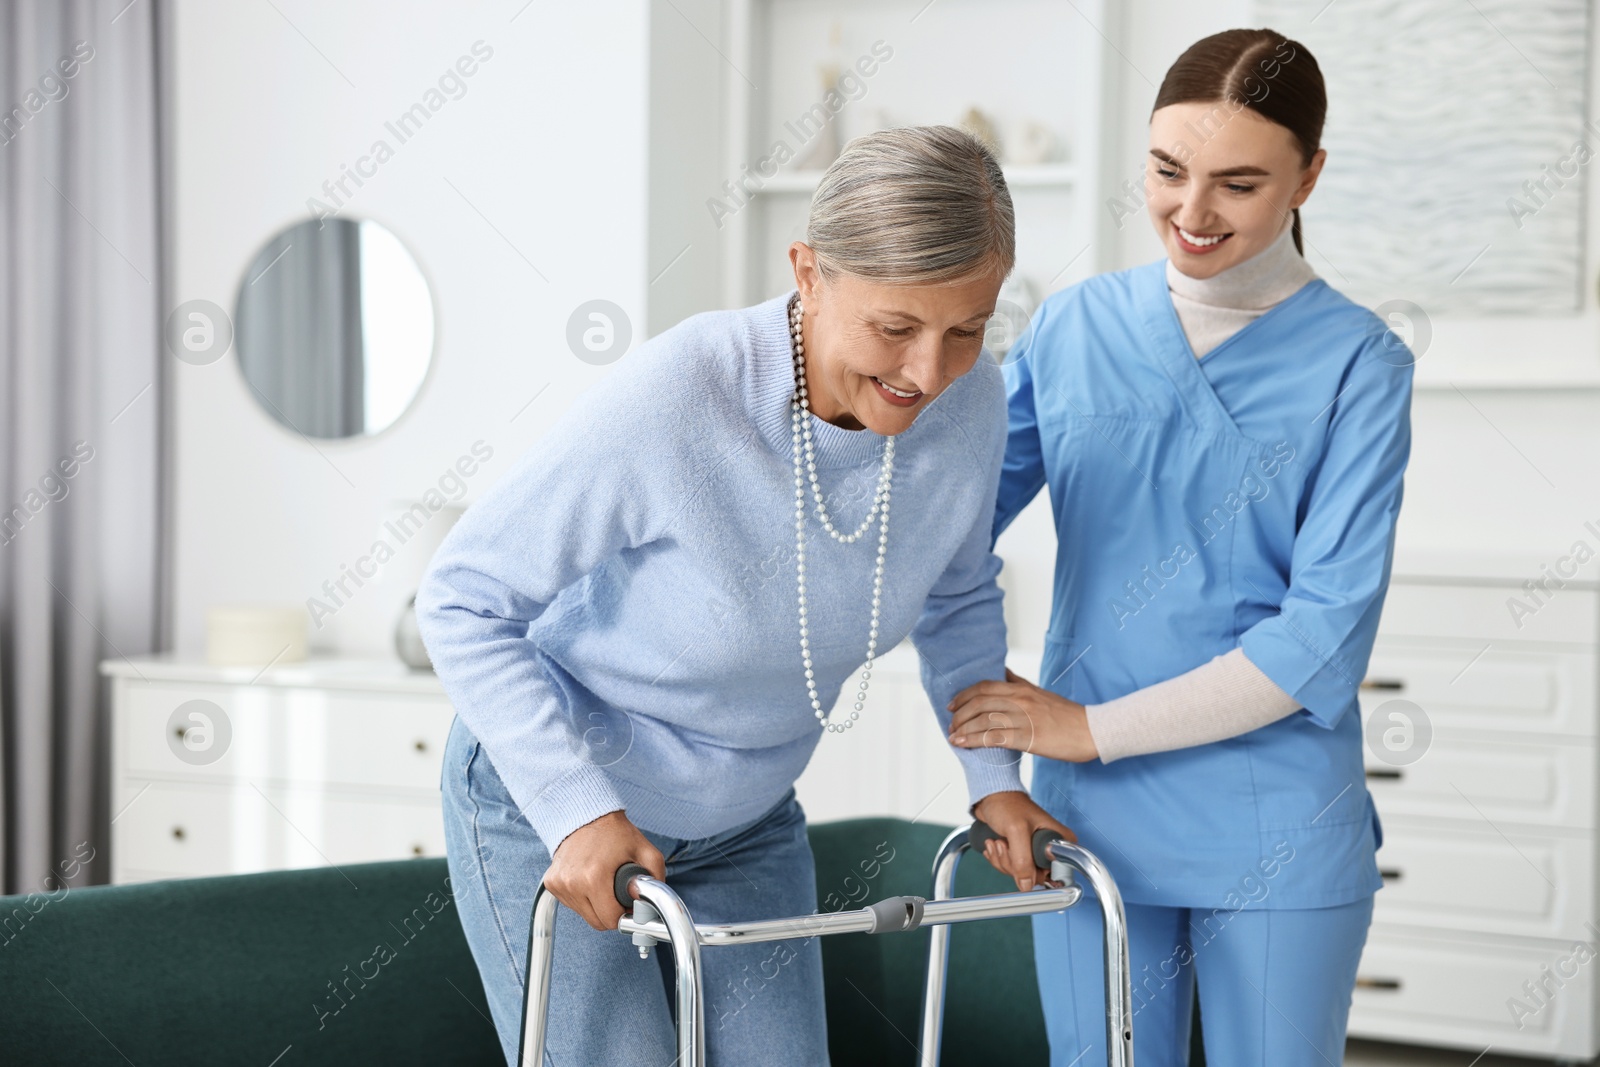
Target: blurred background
[{"x": 285, "y": 285}]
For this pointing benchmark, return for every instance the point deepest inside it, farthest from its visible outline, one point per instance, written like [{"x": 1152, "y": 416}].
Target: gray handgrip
[
  {"x": 981, "y": 832},
  {"x": 619, "y": 884},
  {"x": 896, "y": 913}
]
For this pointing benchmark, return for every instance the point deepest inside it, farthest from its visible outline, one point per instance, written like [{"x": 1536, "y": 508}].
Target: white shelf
[{"x": 1040, "y": 176}]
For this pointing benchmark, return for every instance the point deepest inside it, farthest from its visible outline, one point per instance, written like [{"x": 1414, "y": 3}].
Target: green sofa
[{"x": 242, "y": 970}]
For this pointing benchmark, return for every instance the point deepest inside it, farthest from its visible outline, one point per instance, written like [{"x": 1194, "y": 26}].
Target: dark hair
[{"x": 1262, "y": 70}]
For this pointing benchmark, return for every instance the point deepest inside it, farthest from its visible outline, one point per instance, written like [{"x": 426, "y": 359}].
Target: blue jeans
[
  {"x": 1275, "y": 983},
  {"x": 763, "y": 1002}
]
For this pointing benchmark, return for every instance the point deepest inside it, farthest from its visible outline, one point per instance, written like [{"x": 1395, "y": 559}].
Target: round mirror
[{"x": 334, "y": 328}]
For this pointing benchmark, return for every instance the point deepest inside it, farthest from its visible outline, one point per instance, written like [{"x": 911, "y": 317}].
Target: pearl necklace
[{"x": 805, "y": 461}]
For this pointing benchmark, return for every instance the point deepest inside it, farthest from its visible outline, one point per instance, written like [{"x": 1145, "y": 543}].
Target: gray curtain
[
  {"x": 298, "y": 332},
  {"x": 81, "y": 397}
]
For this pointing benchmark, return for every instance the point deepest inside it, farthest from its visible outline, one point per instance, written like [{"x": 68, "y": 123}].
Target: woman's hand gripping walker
[{"x": 659, "y": 915}]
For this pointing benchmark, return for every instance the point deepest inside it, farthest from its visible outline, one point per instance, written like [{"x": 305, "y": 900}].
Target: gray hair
[{"x": 914, "y": 205}]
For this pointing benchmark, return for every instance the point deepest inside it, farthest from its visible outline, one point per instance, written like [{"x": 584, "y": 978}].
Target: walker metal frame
[{"x": 660, "y": 915}]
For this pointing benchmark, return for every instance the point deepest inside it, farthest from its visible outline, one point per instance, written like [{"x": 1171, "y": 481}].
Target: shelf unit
[{"x": 1054, "y": 57}]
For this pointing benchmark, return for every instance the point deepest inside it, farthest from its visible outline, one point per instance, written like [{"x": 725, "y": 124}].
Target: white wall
[{"x": 548, "y": 142}]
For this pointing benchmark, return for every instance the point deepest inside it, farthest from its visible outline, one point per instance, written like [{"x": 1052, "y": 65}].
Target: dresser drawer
[
  {"x": 205, "y": 829},
  {"x": 1476, "y": 879},
  {"x": 1462, "y": 994},
  {"x": 1550, "y": 784},
  {"x": 293, "y": 735},
  {"x": 1483, "y": 613},
  {"x": 1468, "y": 688}
]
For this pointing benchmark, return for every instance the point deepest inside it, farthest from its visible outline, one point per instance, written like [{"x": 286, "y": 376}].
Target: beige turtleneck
[
  {"x": 1214, "y": 309},
  {"x": 1229, "y": 695}
]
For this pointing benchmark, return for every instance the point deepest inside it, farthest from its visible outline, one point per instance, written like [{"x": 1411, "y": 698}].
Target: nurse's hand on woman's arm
[
  {"x": 584, "y": 864},
  {"x": 1014, "y": 816},
  {"x": 1019, "y": 715}
]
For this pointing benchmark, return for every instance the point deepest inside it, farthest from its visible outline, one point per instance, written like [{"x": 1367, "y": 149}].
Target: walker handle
[
  {"x": 619, "y": 882},
  {"x": 981, "y": 833}
]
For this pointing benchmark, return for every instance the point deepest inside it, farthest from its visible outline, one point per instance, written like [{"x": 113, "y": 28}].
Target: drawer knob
[
  {"x": 1389, "y": 874},
  {"x": 1387, "y": 984},
  {"x": 422, "y": 746},
  {"x": 416, "y": 850},
  {"x": 1390, "y": 684},
  {"x": 1390, "y": 773},
  {"x": 177, "y": 833}
]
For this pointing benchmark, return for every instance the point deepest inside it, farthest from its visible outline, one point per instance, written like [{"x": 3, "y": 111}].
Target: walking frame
[{"x": 660, "y": 915}]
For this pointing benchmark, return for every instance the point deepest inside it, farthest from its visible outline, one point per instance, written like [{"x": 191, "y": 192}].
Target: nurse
[{"x": 1223, "y": 436}]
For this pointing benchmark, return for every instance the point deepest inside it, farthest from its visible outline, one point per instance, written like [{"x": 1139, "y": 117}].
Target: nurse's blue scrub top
[{"x": 1245, "y": 499}]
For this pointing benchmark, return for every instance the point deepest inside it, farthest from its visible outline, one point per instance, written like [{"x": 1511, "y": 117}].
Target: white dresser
[
  {"x": 1485, "y": 934},
  {"x": 224, "y": 770}
]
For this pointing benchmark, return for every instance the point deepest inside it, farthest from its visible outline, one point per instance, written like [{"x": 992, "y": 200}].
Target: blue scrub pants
[
  {"x": 764, "y": 1002},
  {"x": 1275, "y": 984}
]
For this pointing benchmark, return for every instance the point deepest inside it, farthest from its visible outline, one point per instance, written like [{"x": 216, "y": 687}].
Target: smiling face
[
  {"x": 877, "y": 354},
  {"x": 1217, "y": 205}
]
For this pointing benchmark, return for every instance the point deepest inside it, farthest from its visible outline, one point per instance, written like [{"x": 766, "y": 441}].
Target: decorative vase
[{"x": 408, "y": 639}]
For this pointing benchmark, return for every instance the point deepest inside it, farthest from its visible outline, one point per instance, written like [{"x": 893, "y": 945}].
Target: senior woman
[{"x": 632, "y": 683}]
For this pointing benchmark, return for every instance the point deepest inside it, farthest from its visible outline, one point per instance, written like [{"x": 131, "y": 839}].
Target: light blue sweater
[{"x": 615, "y": 619}]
